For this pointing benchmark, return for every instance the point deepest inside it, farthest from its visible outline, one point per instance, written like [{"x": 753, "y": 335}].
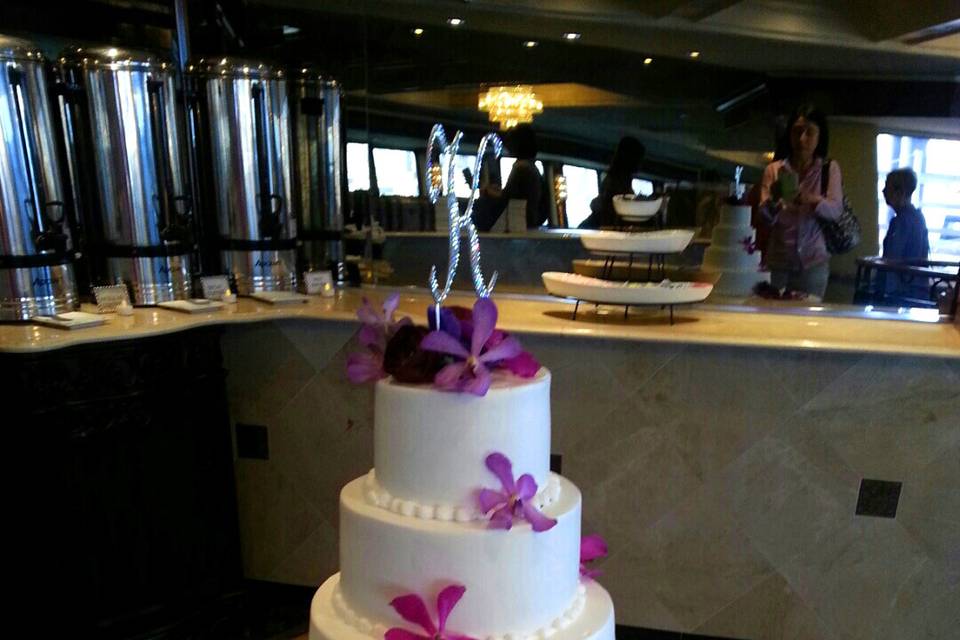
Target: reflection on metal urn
[
  {"x": 139, "y": 149},
  {"x": 36, "y": 264},
  {"x": 252, "y": 173},
  {"x": 320, "y": 169}
]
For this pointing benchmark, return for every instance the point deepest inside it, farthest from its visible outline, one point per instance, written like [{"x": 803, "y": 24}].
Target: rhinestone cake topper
[{"x": 438, "y": 153}]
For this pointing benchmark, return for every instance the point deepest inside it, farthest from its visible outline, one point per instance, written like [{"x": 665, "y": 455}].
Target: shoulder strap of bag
[{"x": 825, "y": 177}]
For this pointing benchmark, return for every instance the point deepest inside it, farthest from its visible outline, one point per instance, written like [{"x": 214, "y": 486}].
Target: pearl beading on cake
[
  {"x": 377, "y": 496},
  {"x": 376, "y": 630}
]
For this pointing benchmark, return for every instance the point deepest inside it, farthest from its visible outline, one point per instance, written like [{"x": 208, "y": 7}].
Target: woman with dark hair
[
  {"x": 524, "y": 183},
  {"x": 625, "y": 164},
  {"x": 797, "y": 188}
]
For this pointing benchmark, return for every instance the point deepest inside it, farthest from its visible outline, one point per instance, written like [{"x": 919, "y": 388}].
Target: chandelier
[{"x": 510, "y": 105}]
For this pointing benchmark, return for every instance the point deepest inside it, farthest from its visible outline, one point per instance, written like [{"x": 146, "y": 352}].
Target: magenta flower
[
  {"x": 412, "y": 608},
  {"x": 470, "y": 373},
  {"x": 514, "y": 501},
  {"x": 591, "y": 548},
  {"x": 378, "y": 327}
]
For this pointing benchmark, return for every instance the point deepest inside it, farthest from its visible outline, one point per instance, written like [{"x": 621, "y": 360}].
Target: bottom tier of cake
[
  {"x": 738, "y": 284},
  {"x": 589, "y": 617}
]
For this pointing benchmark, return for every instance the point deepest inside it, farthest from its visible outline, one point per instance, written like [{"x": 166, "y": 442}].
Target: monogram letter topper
[{"x": 439, "y": 153}]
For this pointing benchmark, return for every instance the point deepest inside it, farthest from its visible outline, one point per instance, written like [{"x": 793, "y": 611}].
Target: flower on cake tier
[
  {"x": 413, "y": 609},
  {"x": 749, "y": 245},
  {"x": 487, "y": 348},
  {"x": 514, "y": 500},
  {"x": 591, "y": 548},
  {"x": 378, "y": 328}
]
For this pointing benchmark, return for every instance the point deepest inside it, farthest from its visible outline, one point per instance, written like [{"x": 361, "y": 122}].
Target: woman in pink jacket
[{"x": 795, "y": 192}]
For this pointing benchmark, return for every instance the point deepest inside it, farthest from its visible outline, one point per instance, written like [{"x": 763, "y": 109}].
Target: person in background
[
  {"x": 906, "y": 237},
  {"x": 793, "y": 197},
  {"x": 619, "y": 180},
  {"x": 524, "y": 183}
]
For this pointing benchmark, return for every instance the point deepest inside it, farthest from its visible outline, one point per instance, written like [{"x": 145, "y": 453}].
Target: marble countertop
[{"x": 540, "y": 315}]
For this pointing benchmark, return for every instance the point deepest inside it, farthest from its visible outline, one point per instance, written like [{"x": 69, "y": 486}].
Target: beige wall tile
[{"x": 769, "y": 611}]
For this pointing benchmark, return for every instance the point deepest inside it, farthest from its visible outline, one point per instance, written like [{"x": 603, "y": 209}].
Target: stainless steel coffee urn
[
  {"x": 144, "y": 204},
  {"x": 252, "y": 173},
  {"x": 36, "y": 271},
  {"x": 321, "y": 169}
]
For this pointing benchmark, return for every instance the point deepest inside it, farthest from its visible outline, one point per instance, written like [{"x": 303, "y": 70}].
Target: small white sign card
[
  {"x": 319, "y": 282},
  {"x": 214, "y": 287},
  {"x": 110, "y": 297}
]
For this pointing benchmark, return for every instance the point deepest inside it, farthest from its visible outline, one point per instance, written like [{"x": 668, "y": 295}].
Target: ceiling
[{"x": 881, "y": 61}]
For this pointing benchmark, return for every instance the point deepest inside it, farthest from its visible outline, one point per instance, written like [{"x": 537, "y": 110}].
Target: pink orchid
[
  {"x": 470, "y": 373},
  {"x": 515, "y": 498},
  {"x": 378, "y": 327},
  {"x": 591, "y": 548},
  {"x": 412, "y": 608}
]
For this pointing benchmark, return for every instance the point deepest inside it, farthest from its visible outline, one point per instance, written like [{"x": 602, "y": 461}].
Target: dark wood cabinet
[{"x": 120, "y": 477}]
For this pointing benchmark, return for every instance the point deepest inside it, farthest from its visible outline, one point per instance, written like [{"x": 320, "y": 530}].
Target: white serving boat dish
[
  {"x": 664, "y": 241},
  {"x": 571, "y": 285}
]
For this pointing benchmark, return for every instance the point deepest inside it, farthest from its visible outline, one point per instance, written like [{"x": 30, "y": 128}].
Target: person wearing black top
[
  {"x": 619, "y": 180},
  {"x": 524, "y": 183}
]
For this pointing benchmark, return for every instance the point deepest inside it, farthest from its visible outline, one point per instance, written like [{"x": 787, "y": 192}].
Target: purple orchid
[
  {"x": 378, "y": 327},
  {"x": 749, "y": 245},
  {"x": 591, "y": 548},
  {"x": 412, "y": 608},
  {"x": 471, "y": 372},
  {"x": 514, "y": 501}
]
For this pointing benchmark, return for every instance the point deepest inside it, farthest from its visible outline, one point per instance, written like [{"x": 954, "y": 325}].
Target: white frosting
[
  {"x": 430, "y": 446},
  {"x": 517, "y": 581},
  {"x": 589, "y": 617},
  {"x": 378, "y": 496},
  {"x": 730, "y": 259},
  {"x": 738, "y": 216},
  {"x": 729, "y": 256}
]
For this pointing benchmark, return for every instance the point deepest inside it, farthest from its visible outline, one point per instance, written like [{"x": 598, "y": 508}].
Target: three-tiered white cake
[
  {"x": 731, "y": 253},
  {"x": 413, "y": 524}
]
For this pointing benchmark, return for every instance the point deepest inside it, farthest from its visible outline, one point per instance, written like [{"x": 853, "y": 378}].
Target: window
[
  {"x": 582, "y": 187},
  {"x": 938, "y": 187},
  {"x": 506, "y": 164},
  {"x": 358, "y": 166},
  {"x": 396, "y": 172},
  {"x": 642, "y": 187},
  {"x": 463, "y": 162}
]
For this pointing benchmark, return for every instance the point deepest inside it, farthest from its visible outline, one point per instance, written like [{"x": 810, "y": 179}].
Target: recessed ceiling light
[
  {"x": 454, "y": 22},
  {"x": 571, "y": 35},
  {"x": 648, "y": 61},
  {"x": 530, "y": 44},
  {"x": 694, "y": 54},
  {"x": 289, "y": 30},
  {"x": 418, "y": 31}
]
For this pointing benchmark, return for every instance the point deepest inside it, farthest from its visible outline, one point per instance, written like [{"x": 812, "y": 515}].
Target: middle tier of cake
[{"x": 518, "y": 582}]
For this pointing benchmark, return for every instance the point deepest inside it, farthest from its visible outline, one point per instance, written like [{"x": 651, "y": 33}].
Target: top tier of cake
[
  {"x": 430, "y": 447},
  {"x": 735, "y": 215}
]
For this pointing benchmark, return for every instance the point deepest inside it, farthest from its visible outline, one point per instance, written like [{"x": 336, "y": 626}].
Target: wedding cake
[
  {"x": 461, "y": 507},
  {"x": 733, "y": 253}
]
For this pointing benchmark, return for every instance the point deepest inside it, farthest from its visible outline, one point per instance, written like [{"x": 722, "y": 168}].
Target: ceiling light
[
  {"x": 510, "y": 105},
  {"x": 530, "y": 44},
  {"x": 112, "y": 53},
  {"x": 571, "y": 35},
  {"x": 289, "y": 30},
  {"x": 694, "y": 54},
  {"x": 418, "y": 31},
  {"x": 454, "y": 22},
  {"x": 648, "y": 61}
]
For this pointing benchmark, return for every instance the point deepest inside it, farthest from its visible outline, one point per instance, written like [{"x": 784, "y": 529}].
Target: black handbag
[{"x": 843, "y": 234}]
